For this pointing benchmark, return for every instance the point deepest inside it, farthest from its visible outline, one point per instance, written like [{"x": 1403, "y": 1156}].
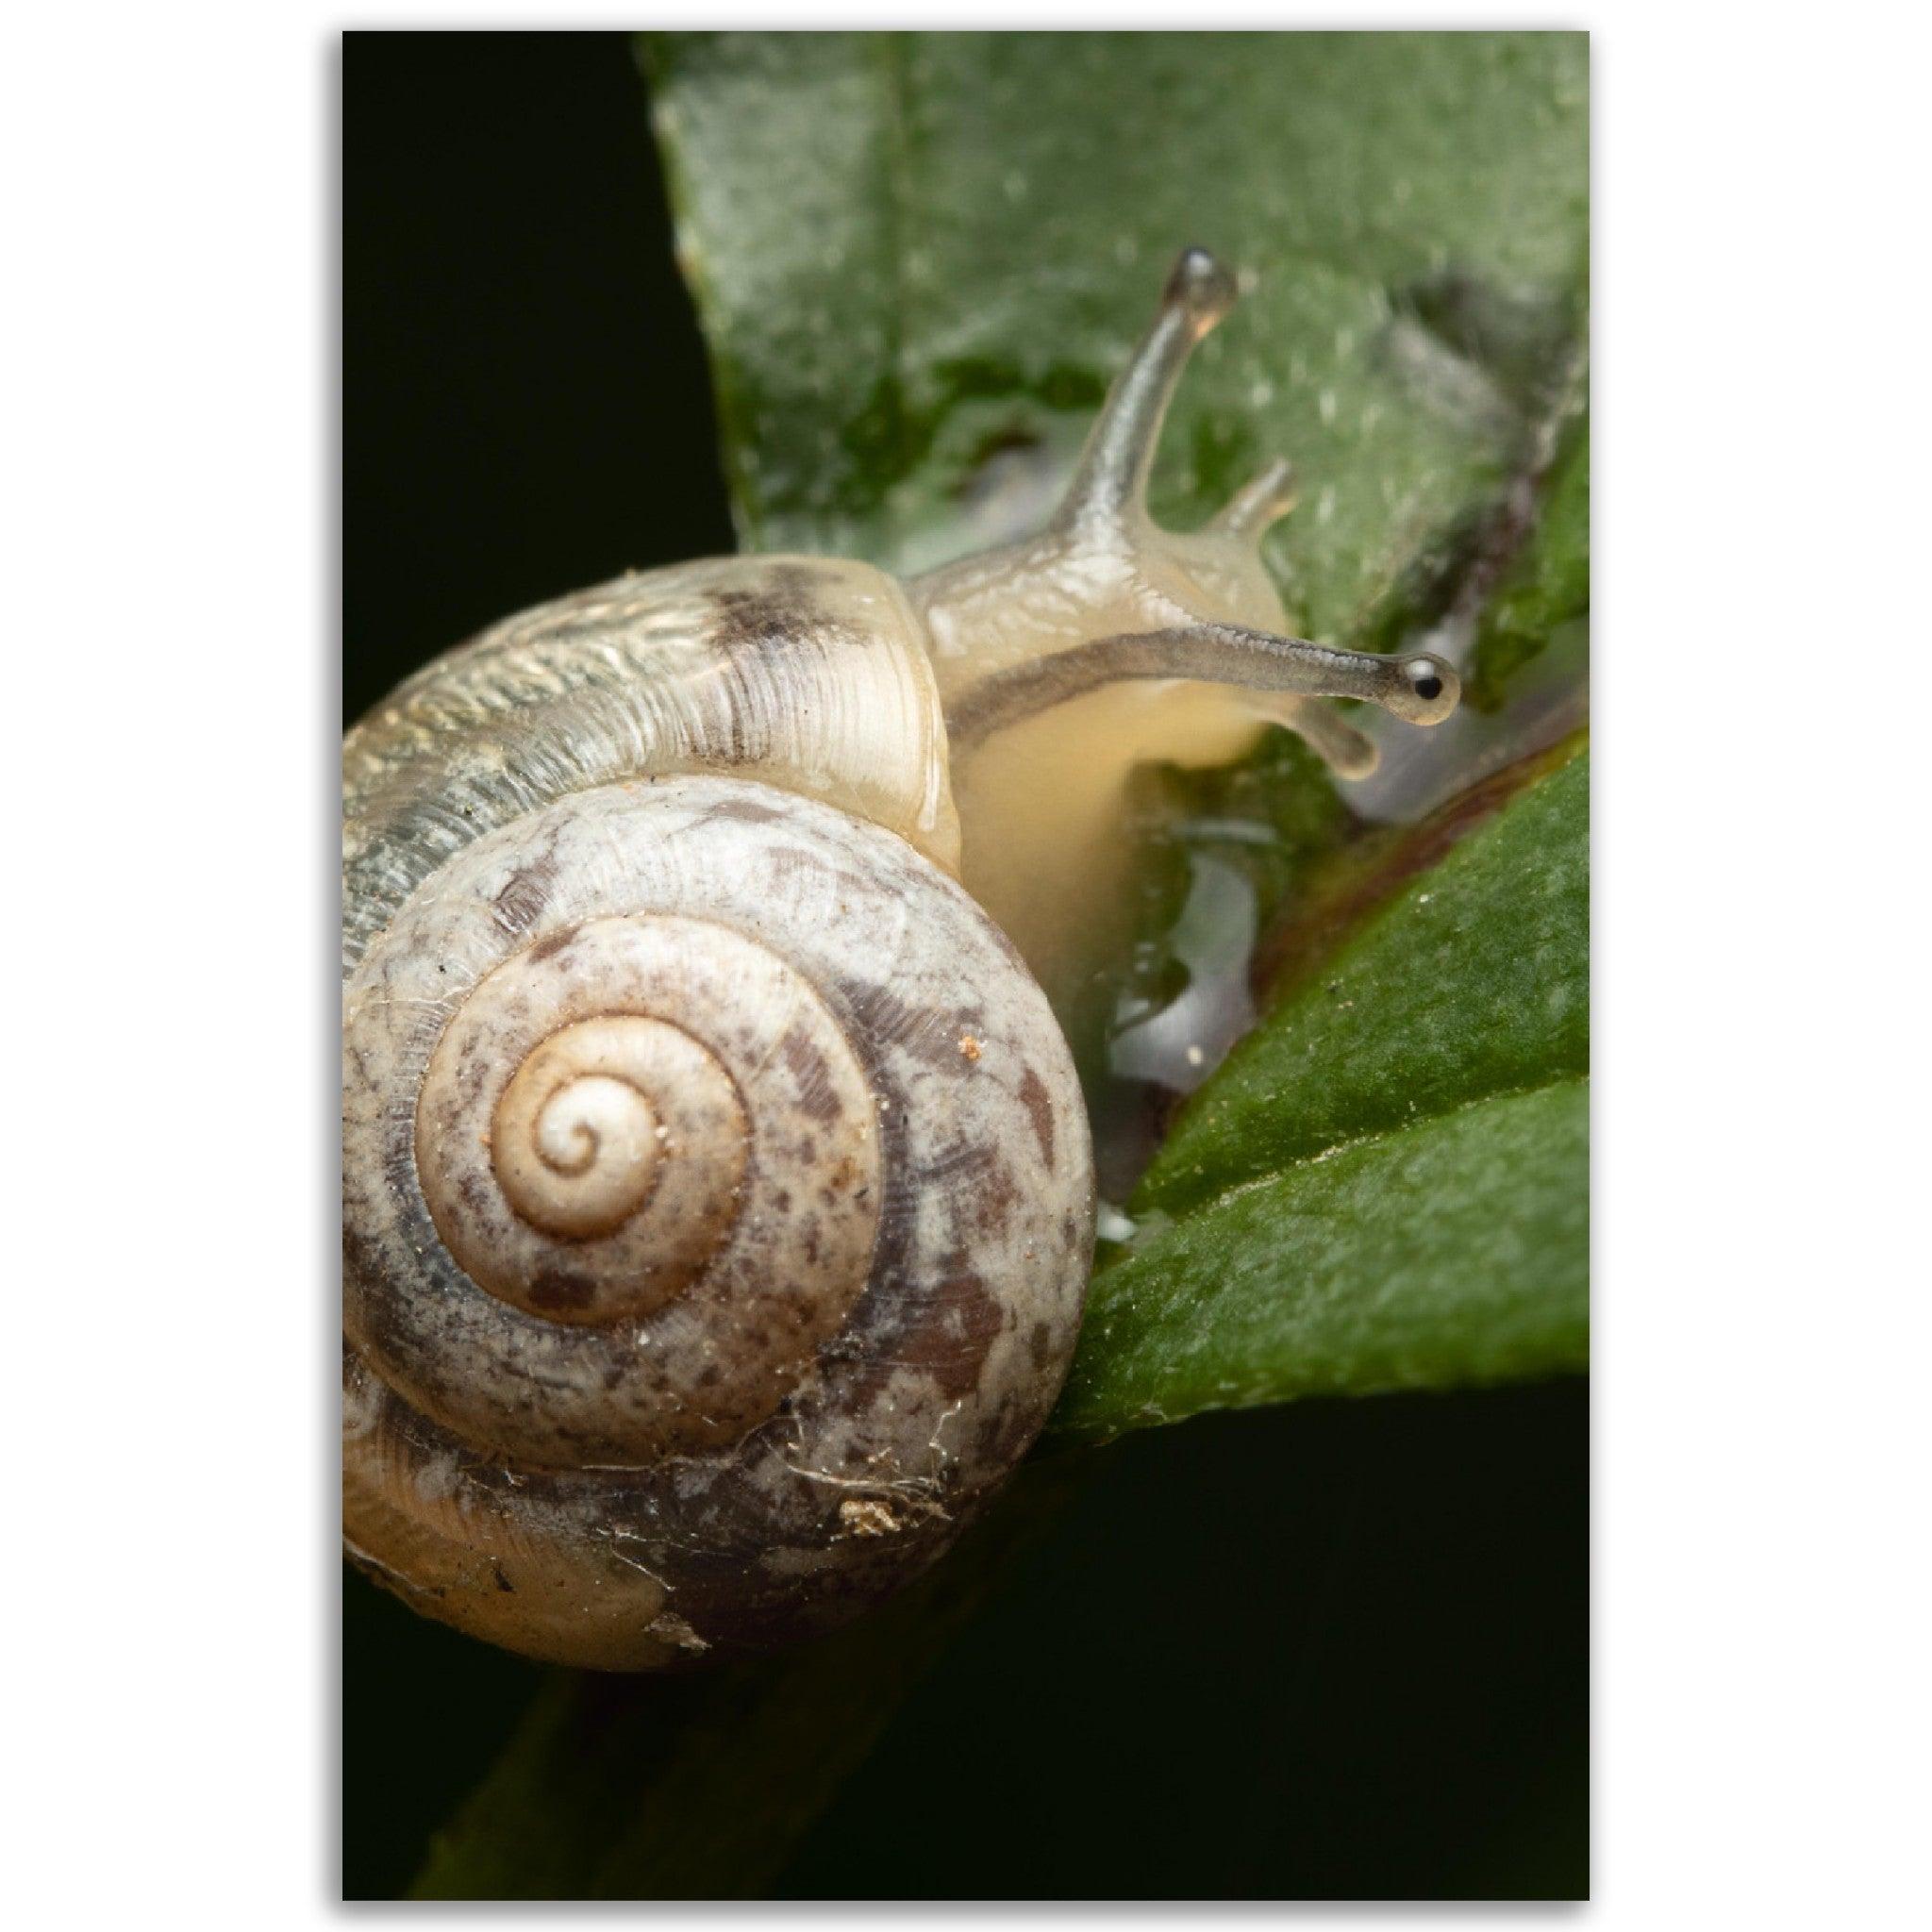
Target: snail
[{"x": 718, "y": 1197}]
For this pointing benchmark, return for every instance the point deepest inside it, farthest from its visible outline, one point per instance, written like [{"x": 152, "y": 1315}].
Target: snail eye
[{"x": 1424, "y": 682}]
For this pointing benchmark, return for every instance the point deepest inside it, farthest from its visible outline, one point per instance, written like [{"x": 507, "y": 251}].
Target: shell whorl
[
  {"x": 718, "y": 1208},
  {"x": 583, "y": 1135}
]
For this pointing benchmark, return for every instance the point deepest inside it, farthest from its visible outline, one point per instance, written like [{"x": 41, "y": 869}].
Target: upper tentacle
[
  {"x": 1422, "y": 690},
  {"x": 1119, "y": 453}
]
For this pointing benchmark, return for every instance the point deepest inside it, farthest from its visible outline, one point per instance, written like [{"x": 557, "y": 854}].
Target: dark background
[
  {"x": 1338, "y": 1650},
  {"x": 526, "y": 406}
]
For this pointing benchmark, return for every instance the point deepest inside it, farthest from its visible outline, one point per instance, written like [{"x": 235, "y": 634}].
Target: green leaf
[
  {"x": 1474, "y": 981},
  {"x": 920, "y": 259},
  {"x": 1547, "y": 587},
  {"x": 1451, "y": 1252},
  {"x": 1385, "y": 1184}
]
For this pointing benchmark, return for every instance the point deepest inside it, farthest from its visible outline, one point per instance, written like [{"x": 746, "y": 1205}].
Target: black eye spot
[{"x": 1427, "y": 685}]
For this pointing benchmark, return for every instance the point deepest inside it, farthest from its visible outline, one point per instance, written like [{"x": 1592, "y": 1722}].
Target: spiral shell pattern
[{"x": 718, "y": 1209}]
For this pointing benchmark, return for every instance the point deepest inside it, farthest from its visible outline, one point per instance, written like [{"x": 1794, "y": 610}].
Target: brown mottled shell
[{"x": 718, "y": 1208}]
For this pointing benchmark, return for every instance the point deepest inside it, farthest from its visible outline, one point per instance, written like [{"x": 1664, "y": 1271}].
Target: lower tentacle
[{"x": 1347, "y": 752}]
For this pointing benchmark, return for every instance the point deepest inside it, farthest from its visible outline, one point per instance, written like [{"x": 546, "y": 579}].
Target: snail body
[{"x": 718, "y": 1195}]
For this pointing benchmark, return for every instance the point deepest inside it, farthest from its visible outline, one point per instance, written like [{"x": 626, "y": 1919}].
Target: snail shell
[{"x": 735, "y": 1240}]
